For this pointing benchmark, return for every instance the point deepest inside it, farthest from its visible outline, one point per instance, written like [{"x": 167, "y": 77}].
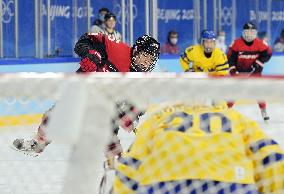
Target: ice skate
[{"x": 264, "y": 114}]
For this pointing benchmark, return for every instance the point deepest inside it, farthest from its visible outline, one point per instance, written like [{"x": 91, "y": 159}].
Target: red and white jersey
[
  {"x": 243, "y": 55},
  {"x": 115, "y": 54}
]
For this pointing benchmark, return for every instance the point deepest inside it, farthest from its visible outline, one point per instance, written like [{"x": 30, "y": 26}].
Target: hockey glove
[
  {"x": 257, "y": 67},
  {"x": 91, "y": 62},
  {"x": 113, "y": 151}
]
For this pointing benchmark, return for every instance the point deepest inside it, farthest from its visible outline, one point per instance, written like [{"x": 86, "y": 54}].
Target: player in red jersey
[
  {"x": 247, "y": 55},
  {"x": 102, "y": 53}
]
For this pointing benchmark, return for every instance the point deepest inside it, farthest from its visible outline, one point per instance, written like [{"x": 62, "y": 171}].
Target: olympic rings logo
[
  {"x": 118, "y": 10},
  {"x": 8, "y": 11},
  {"x": 226, "y": 16}
]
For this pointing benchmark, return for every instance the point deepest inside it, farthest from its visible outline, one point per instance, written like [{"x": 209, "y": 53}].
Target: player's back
[
  {"x": 200, "y": 149},
  {"x": 119, "y": 53},
  {"x": 206, "y": 143}
]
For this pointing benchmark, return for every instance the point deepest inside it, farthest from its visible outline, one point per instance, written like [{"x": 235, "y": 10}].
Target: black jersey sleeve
[{"x": 89, "y": 42}]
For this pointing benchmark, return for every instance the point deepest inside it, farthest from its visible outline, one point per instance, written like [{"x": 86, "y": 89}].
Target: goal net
[{"x": 186, "y": 140}]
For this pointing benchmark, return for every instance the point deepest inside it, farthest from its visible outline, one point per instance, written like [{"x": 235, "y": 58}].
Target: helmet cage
[
  {"x": 148, "y": 45},
  {"x": 249, "y": 34},
  {"x": 207, "y": 35}
]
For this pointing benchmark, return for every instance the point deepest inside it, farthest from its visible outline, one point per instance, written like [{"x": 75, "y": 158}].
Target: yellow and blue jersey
[
  {"x": 194, "y": 59},
  {"x": 182, "y": 145}
]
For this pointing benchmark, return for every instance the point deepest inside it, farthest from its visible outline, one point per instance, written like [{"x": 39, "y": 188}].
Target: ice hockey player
[
  {"x": 247, "y": 55},
  {"x": 100, "y": 53},
  {"x": 182, "y": 148},
  {"x": 205, "y": 57}
]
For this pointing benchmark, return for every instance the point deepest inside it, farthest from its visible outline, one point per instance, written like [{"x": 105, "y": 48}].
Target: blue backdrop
[{"x": 172, "y": 15}]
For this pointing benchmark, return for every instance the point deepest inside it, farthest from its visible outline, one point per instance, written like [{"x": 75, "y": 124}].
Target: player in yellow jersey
[
  {"x": 205, "y": 57},
  {"x": 198, "y": 149}
]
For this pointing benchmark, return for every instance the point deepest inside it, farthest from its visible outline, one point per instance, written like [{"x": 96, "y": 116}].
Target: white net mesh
[{"x": 186, "y": 142}]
